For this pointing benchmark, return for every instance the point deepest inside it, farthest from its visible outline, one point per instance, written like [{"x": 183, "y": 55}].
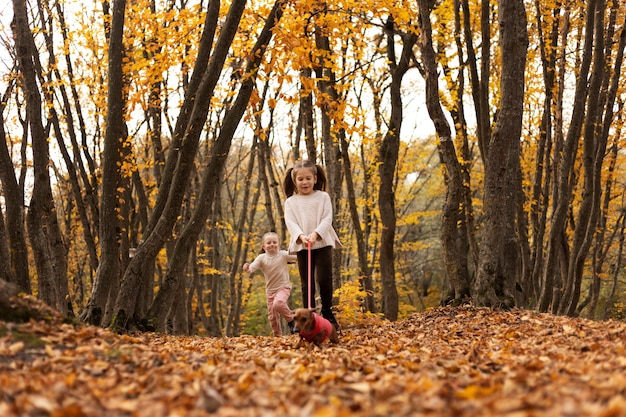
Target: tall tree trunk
[
  {"x": 17, "y": 251},
  {"x": 5, "y": 257},
  {"x": 388, "y": 158},
  {"x": 331, "y": 104},
  {"x": 499, "y": 252},
  {"x": 467, "y": 247},
  {"x": 109, "y": 267},
  {"x": 305, "y": 122},
  {"x": 235, "y": 275},
  {"x": 542, "y": 179},
  {"x": 216, "y": 260},
  {"x": 456, "y": 272},
  {"x": 43, "y": 226},
  {"x": 72, "y": 169},
  {"x": 479, "y": 81},
  {"x": 143, "y": 263},
  {"x": 365, "y": 271},
  {"x": 598, "y": 119},
  {"x": 557, "y": 257},
  {"x": 194, "y": 87},
  {"x": 616, "y": 266},
  {"x": 213, "y": 173},
  {"x": 264, "y": 159},
  {"x": 89, "y": 179},
  {"x": 154, "y": 241}
]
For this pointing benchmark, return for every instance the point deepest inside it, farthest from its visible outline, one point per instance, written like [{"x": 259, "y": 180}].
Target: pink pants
[{"x": 276, "y": 307}]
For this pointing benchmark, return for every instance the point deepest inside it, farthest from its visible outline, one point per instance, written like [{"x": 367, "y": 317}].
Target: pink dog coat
[{"x": 320, "y": 324}]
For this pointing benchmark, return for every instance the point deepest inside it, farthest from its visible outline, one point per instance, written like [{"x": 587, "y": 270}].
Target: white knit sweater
[{"x": 305, "y": 214}]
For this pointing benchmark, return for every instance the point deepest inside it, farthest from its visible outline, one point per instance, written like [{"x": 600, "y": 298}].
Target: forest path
[{"x": 448, "y": 361}]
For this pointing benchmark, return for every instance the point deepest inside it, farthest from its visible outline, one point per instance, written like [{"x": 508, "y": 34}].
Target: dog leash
[{"x": 308, "y": 297}]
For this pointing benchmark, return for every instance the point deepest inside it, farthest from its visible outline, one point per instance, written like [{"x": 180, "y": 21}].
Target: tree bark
[
  {"x": 557, "y": 258},
  {"x": 89, "y": 179},
  {"x": 216, "y": 259},
  {"x": 499, "y": 252},
  {"x": 109, "y": 267},
  {"x": 467, "y": 246},
  {"x": 388, "y": 158},
  {"x": 50, "y": 96},
  {"x": 598, "y": 119},
  {"x": 365, "y": 271},
  {"x": 154, "y": 241},
  {"x": 5, "y": 257},
  {"x": 213, "y": 173},
  {"x": 193, "y": 88},
  {"x": 455, "y": 271},
  {"x": 236, "y": 297},
  {"x": 479, "y": 81},
  {"x": 331, "y": 103},
  {"x": 542, "y": 179},
  {"x": 616, "y": 268},
  {"x": 305, "y": 122},
  {"x": 16, "y": 258},
  {"x": 43, "y": 226}
]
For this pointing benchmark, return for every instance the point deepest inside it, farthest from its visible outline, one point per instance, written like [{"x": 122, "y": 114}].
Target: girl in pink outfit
[
  {"x": 273, "y": 262},
  {"x": 309, "y": 218}
]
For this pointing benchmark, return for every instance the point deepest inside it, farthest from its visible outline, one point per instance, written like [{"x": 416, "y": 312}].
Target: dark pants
[{"x": 322, "y": 268}]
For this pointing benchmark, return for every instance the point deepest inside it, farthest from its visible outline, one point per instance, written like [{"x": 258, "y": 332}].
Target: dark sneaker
[{"x": 292, "y": 326}]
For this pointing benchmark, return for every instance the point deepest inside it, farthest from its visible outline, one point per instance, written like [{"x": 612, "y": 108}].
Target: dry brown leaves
[{"x": 445, "y": 362}]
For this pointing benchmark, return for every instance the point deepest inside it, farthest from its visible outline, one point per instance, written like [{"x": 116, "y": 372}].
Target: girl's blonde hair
[{"x": 289, "y": 183}]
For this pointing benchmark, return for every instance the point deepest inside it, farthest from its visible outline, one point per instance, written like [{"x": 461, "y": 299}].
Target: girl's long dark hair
[{"x": 289, "y": 184}]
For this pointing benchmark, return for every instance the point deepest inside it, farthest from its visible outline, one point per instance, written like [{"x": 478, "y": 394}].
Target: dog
[{"x": 314, "y": 328}]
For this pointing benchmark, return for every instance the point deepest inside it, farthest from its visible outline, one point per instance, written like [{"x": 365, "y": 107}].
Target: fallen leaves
[{"x": 445, "y": 362}]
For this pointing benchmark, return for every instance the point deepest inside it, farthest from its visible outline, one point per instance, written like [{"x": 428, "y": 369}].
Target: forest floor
[{"x": 460, "y": 361}]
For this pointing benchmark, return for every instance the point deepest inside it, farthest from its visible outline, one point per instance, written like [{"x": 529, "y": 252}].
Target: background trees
[{"x": 148, "y": 157}]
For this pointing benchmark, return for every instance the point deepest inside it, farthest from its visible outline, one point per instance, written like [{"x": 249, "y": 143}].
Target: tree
[
  {"x": 108, "y": 273},
  {"x": 153, "y": 242},
  {"x": 214, "y": 170},
  {"x": 592, "y": 112},
  {"x": 43, "y": 226},
  {"x": 219, "y": 153},
  {"x": 388, "y": 158},
  {"x": 15, "y": 260},
  {"x": 499, "y": 256},
  {"x": 598, "y": 117},
  {"x": 452, "y": 216}
]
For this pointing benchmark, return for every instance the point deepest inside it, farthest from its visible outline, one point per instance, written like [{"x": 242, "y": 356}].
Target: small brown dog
[{"x": 314, "y": 328}]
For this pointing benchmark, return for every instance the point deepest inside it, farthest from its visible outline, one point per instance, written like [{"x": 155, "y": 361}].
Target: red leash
[{"x": 308, "y": 297}]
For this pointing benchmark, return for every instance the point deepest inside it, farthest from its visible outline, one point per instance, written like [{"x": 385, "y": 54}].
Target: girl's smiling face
[
  {"x": 305, "y": 180},
  {"x": 270, "y": 244}
]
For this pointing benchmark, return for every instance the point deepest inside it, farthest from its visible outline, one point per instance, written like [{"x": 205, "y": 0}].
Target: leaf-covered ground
[{"x": 445, "y": 362}]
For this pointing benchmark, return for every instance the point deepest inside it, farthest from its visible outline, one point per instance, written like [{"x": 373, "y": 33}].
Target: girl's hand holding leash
[{"x": 310, "y": 238}]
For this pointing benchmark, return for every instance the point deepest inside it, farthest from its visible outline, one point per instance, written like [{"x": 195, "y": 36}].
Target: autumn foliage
[
  {"x": 460, "y": 361},
  {"x": 470, "y": 157}
]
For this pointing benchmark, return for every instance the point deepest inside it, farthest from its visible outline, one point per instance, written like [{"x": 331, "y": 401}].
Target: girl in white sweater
[
  {"x": 309, "y": 218},
  {"x": 273, "y": 262}
]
